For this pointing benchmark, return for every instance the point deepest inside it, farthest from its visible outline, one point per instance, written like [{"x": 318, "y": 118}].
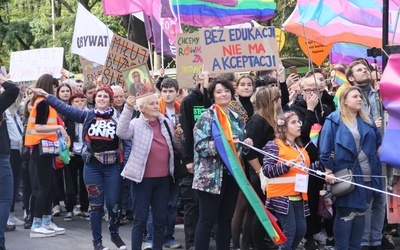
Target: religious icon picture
[{"x": 138, "y": 81}]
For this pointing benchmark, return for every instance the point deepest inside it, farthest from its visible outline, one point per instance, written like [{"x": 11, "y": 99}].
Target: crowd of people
[{"x": 138, "y": 159}]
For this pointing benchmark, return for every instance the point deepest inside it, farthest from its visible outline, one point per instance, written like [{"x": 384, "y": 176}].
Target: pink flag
[
  {"x": 390, "y": 87},
  {"x": 126, "y": 7}
]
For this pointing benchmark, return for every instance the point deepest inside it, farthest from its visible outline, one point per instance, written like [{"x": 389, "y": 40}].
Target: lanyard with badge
[{"x": 301, "y": 180}]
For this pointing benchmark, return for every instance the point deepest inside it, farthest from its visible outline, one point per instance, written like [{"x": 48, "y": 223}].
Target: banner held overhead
[{"x": 240, "y": 49}]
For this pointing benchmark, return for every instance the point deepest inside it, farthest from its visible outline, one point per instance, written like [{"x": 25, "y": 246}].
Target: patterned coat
[{"x": 208, "y": 166}]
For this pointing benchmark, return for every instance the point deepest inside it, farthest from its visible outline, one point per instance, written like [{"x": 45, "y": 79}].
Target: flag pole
[
  {"x": 385, "y": 30},
  {"x": 162, "y": 38}
]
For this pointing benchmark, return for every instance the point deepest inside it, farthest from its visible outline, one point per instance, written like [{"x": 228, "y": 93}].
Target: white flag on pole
[{"x": 91, "y": 37}]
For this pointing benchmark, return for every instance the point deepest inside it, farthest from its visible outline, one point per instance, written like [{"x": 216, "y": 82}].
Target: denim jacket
[
  {"x": 338, "y": 151},
  {"x": 208, "y": 166}
]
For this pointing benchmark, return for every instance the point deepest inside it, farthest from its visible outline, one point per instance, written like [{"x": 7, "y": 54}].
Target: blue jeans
[
  {"x": 103, "y": 182},
  {"x": 172, "y": 212},
  {"x": 6, "y": 194},
  {"x": 294, "y": 224},
  {"x": 348, "y": 228},
  {"x": 152, "y": 192},
  {"x": 374, "y": 218}
]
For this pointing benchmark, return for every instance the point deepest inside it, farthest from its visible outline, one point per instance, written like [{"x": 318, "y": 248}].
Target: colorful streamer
[{"x": 222, "y": 133}]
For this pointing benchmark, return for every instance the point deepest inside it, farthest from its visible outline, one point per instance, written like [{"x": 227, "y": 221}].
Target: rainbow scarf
[{"x": 222, "y": 133}]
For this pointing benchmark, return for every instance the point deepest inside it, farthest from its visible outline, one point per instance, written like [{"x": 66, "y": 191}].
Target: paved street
[{"x": 78, "y": 236}]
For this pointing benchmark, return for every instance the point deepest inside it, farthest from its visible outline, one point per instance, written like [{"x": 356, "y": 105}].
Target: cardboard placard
[
  {"x": 29, "y": 65},
  {"x": 91, "y": 70},
  {"x": 240, "y": 49},
  {"x": 122, "y": 54},
  {"x": 138, "y": 81},
  {"x": 189, "y": 60}
]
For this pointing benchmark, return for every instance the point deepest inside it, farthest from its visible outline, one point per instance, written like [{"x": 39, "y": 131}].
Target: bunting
[{"x": 222, "y": 133}]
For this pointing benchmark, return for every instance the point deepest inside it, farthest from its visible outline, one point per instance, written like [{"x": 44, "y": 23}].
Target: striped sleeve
[{"x": 271, "y": 167}]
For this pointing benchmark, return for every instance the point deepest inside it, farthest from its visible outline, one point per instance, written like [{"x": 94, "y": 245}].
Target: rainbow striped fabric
[
  {"x": 210, "y": 13},
  {"x": 222, "y": 133},
  {"x": 339, "y": 78}
]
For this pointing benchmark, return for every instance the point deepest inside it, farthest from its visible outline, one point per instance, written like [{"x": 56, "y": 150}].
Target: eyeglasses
[{"x": 308, "y": 91}]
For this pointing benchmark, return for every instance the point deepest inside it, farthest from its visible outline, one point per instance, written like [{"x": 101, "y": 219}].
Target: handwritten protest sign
[
  {"x": 121, "y": 55},
  {"x": 29, "y": 65},
  {"x": 138, "y": 80},
  {"x": 240, "y": 49},
  {"x": 91, "y": 70},
  {"x": 188, "y": 59}
]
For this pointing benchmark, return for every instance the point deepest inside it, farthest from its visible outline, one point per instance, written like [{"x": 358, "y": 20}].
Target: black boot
[{"x": 28, "y": 222}]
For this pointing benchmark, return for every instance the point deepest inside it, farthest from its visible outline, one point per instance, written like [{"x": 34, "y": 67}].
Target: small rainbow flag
[
  {"x": 222, "y": 133},
  {"x": 339, "y": 78},
  {"x": 314, "y": 133},
  {"x": 338, "y": 92}
]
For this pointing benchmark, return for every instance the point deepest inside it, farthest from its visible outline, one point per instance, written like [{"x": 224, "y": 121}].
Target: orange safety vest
[
  {"x": 284, "y": 184},
  {"x": 32, "y": 137}
]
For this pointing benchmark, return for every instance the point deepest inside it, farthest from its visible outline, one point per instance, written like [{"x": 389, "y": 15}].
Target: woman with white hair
[{"x": 150, "y": 165}]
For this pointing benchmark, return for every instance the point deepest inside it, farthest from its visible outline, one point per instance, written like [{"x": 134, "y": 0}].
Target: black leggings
[
  {"x": 46, "y": 182},
  {"x": 16, "y": 162}
]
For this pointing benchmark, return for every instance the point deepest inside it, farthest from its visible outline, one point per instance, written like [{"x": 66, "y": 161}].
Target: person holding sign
[
  {"x": 102, "y": 159},
  {"x": 150, "y": 165},
  {"x": 286, "y": 165}
]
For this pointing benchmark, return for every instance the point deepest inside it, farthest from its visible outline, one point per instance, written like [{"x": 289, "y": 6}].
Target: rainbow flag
[
  {"x": 338, "y": 92},
  {"x": 339, "y": 78},
  {"x": 314, "y": 133},
  {"x": 347, "y": 52},
  {"x": 222, "y": 133},
  {"x": 208, "y": 13}
]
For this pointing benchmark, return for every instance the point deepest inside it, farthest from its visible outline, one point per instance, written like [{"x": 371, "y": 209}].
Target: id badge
[{"x": 301, "y": 183}]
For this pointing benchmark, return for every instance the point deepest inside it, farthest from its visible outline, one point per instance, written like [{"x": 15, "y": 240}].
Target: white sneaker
[
  {"x": 320, "y": 238},
  {"x": 76, "y": 211},
  {"x": 106, "y": 217},
  {"x": 58, "y": 230},
  {"x": 41, "y": 232},
  {"x": 56, "y": 211},
  {"x": 15, "y": 220},
  {"x": 10, "y": 223}
]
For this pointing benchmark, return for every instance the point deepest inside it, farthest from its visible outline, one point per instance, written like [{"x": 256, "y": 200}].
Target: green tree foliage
[{"x": 27, "y": 24}]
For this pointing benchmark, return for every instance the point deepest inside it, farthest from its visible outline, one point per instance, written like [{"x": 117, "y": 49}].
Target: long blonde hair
[
  {"x": 265, "y": 104},
  {"x": 344, "y": 112}
]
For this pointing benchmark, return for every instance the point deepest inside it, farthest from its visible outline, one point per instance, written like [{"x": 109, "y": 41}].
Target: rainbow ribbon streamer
[{"x": 222, "y": 133}]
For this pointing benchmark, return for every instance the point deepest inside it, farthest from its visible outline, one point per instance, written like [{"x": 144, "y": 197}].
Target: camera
[{"x": 374, "y": 52}]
